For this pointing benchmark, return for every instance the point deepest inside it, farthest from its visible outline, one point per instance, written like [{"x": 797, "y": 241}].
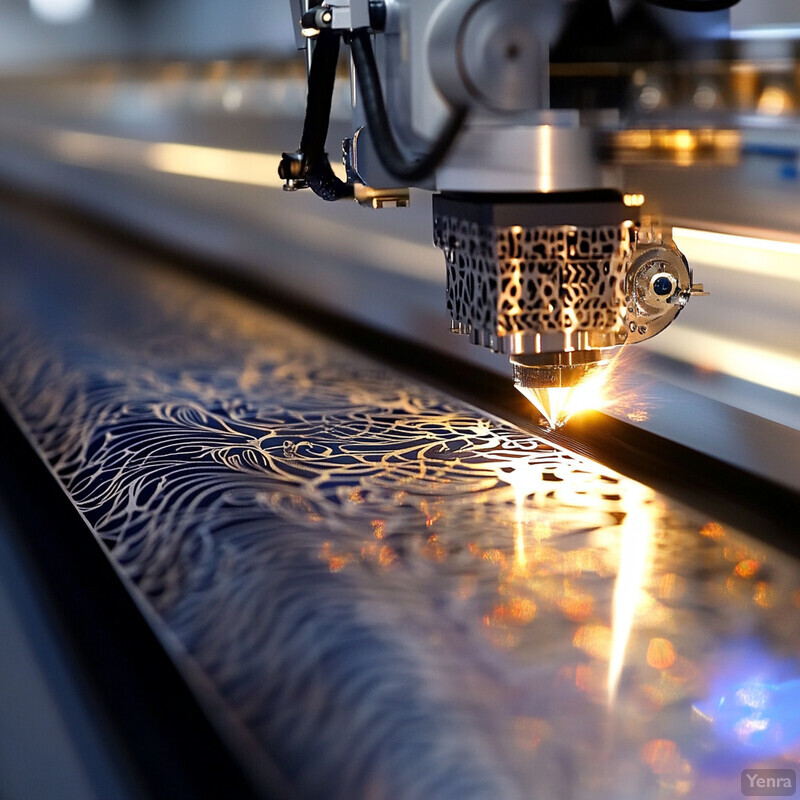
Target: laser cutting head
[
  {"x": 558, "y": 283},
  {"x": 459, "y": 97},
  {"x": 552, "y": 382}
]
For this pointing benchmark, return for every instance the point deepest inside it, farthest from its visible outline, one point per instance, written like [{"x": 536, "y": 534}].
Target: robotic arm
[{"x": 545, "y": 262}]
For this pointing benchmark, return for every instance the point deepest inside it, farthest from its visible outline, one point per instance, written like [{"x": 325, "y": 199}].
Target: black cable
[
  {"x": 311, "y": 162},
  {"x": 392, "y": 159},
  {"x": 694, "y": 5},
  {"x": 321, "y": 78}
]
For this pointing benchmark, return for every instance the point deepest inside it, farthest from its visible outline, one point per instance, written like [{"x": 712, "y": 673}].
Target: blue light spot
[{"x": 662, "y": 286}]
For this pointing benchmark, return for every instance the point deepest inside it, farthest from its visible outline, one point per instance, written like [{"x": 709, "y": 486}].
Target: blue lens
[{"x": 662, "y": 286}]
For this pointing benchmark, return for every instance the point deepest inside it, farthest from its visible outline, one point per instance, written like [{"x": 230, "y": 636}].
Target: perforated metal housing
[{"x": 520, "y": 287}]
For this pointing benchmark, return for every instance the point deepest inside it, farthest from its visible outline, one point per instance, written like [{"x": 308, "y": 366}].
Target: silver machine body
[{"x": 545, "y": 262}]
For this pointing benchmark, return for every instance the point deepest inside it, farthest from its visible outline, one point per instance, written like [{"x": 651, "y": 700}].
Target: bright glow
[
  {"x": 766, "y": 258},
  {"x": 683, "y": 140},
  {"x": 545, "y": 158},
  {"x": 515, "y": 290},
  {"x": 752, "y": 701},
  {"x": 520, "y": 556},
  {"x": 558, "y": 405},
  {"x": 593, "y": 391},
  {"x": 239, "y": 166},
  {"x": 520, "y": 481},
  {"x": 633, "y": 200},
  {"x": 212, "y": 163},
  {"x": 636, "y": 534},
  {"x": 682, "y": 146},
  {"x": 778, "y": 32},
  {"x": 660, "y": 653},
  {"x": 754, "y": 364},
  {"x": 61, "y": 11},
  {"x": 551, "y": 403},
  {"x": 254, "y": 169},
  {"x": 774, "y": 100},
  {"x": 525, "y": 480}
]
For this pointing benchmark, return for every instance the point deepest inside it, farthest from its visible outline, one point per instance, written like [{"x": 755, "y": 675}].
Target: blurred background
[
  {"x": 47, "y": 31},
  {"x": 163, "y": 121},
  {"x": 168, "y": 117}
]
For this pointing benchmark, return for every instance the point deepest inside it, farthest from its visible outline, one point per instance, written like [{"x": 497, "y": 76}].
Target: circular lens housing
[
  {"x": 663, "y": 285},
  {"x": 657, "y": 286}
]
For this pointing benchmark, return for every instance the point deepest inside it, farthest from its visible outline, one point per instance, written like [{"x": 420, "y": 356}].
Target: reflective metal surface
[
  {"x": 391, "y": 592},
  {"x": 187, "y": 153}
]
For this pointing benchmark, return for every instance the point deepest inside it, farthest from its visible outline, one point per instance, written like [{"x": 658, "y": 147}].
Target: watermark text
[{"x": 769, "y": 782}]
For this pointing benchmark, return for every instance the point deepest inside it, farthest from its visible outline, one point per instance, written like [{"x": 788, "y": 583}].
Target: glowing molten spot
[
  {"x": 550, "y": 403},
  {"x": 559, "y": 403}
]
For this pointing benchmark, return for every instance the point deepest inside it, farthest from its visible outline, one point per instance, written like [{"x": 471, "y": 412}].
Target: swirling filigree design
[{"x": 394, "y": 594}]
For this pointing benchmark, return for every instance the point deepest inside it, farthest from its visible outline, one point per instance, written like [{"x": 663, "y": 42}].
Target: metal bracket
[
  {"x": 369, "y": 197},
  {"x": 658, "y": 283},
  {"x": 337, "y": 15}
]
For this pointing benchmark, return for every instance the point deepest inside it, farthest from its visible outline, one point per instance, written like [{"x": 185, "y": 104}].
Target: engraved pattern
[
  {"x": 540, "y": 280},
  {"x": 392, "y": 593}
]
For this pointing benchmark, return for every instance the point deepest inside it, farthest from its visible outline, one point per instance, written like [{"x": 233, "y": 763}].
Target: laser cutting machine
[
  {"x": 321, "y": 544},
  {"x": 474, "y": 100}
]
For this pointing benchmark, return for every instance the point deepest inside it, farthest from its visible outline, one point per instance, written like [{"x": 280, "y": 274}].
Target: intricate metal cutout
[{"x": 394, "y": 594}]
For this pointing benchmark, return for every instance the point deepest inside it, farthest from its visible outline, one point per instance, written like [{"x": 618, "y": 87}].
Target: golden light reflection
[
  {"x": 661, "y": 755},
  {"x": 764, "y": 595},
  {"x": 524, "y": 482},
  {"x": 515, "y": 290},
  {"x": 636, "y": 535},
  {"x": 664, "y": 759},
  {"x": 434, "y": 550},
  {"x": 671, "y": 587},
  {"x": 660, "y": 653},
  {"x": 559, "y": 404},
  {"x": 713, "y": 530},
  {"x": 517, "y": 611},
  {"x": 545, "y": 158},
  {"x": 736, "y": 552},
  {"x": 760, "y": 365},
  {"x": 633, "y": 200},
  {"x": 519, "y": 547},
  {"x": 595, "y": 640},
  {"x": 336, "y": 561},
  {"x": 213, "y": 163},
  {"x": 774, "y": 100},
  {"x": 431, "y": 515},
  {"x": 683, "y": 146},
  {"x": 746, "y": 568},
  {"x": 576, "y": 604}
]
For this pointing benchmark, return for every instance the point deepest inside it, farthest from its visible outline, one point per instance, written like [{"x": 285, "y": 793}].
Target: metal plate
[{"x": 391, "y": 592}]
